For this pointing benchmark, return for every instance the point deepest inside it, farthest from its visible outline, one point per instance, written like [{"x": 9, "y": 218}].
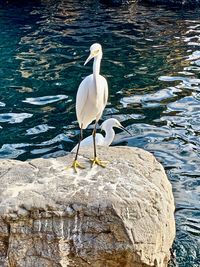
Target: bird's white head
[
  {"x": 112, "y": 122},
  {"x": 95, "y": 50}
]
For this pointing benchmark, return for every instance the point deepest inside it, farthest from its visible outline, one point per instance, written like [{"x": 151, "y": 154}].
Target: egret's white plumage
[
  {"x": 91, "y": 100},
  {"x": 107, "y": 126},
  {"x": 88, "y": 141},
  {"x": 92, "y": 93}
]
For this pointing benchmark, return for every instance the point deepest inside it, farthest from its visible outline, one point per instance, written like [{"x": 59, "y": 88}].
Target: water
[{"x": 152, "y": 64}]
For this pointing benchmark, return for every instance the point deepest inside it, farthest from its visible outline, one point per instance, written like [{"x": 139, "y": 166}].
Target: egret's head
[
  {"x": 95, "y": 50},
  {"x": 110, "y": 123}
]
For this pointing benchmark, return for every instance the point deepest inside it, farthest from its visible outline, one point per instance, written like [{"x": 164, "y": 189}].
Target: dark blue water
[{"x": 152, "y": 64}]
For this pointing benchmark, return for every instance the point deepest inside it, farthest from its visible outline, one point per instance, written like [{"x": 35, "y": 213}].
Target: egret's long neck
[
  {"x": 110, "y": 134},
  {"x": 96, "y": 65},
  {"x": 96, "y": 70}
]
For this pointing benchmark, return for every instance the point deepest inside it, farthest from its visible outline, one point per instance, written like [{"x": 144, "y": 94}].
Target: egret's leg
[
  {"x": 76, "y": 164},
  {"x": 80, "y": 139},
  {"x": 96, "y": 160},
  {"x": 94, "y": 140}
]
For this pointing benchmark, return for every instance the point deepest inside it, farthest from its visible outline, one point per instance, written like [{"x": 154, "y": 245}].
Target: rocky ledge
[{"x": 119, "y": 216}]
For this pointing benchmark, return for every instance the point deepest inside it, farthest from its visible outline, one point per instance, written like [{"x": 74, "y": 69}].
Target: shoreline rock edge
[{"x": 122, "y": 215}]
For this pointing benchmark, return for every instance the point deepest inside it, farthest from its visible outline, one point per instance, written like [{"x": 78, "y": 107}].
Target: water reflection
[
  {"x": 39, "y": 129},
  {"x": 152, "y": 63},
  {"x": 44, "y": 100},
  {"x": 14, "y": 117}
]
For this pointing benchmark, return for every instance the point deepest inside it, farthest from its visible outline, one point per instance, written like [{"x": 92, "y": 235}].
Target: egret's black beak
[
  {"x": 124, "y": 129},
  {"x": 89, "y": 58}
]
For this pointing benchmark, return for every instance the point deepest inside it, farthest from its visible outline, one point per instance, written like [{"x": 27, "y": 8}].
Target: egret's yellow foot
[
  {"x": 98, "y": 162},
  {"x": 76, "y": 165}
]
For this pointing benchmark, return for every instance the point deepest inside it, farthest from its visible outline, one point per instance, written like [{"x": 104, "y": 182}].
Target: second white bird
[{"x": 107, "y": 126}]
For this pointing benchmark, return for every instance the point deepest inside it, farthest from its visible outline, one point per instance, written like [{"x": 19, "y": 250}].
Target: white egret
[
  {"x": 91, "y": 100},
  {"x": 107, "y": 126}
]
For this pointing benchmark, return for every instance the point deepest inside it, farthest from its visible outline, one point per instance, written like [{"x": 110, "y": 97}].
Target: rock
[{"x": 122, "y": 215}]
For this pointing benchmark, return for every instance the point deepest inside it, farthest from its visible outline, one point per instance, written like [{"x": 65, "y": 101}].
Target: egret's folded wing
[
  {"x": 88, "y": 141},
  {"x": 105, "y": 99},
  {"x": 81, "y": 99}
]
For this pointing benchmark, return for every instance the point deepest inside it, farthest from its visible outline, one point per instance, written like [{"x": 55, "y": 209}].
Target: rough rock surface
[{"x": 120, "y": 216}]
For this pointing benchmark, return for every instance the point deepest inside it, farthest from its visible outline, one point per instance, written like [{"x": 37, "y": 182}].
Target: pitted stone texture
[{"x": 118, "y": 216}]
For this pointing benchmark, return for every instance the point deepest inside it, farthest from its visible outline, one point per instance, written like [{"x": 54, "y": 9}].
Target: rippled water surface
[{"x": 152, "y": 64}]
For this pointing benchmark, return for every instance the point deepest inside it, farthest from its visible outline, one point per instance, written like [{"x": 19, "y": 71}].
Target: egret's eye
[{"x": 95, "y": 52}]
